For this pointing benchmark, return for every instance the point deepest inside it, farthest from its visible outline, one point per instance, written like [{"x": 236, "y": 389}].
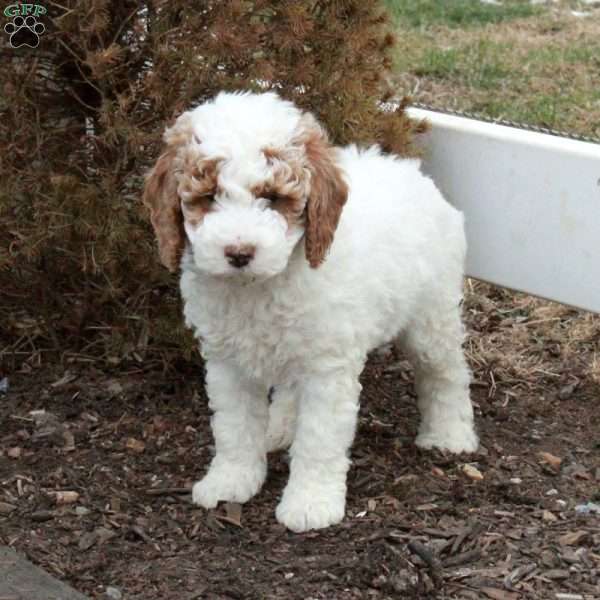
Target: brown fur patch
[
  {"x": 328, "y": 191},
  {"x": 197, "y": 186},
  {"x": 179, "y": 172},
  {"x": 286, "y": 189},
  {"x": 160, "y": 196},
  {"x": 272, "y": 154}
]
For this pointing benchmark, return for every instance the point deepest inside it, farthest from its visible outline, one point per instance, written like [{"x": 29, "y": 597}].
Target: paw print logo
[{"x": 24, "y": 31}]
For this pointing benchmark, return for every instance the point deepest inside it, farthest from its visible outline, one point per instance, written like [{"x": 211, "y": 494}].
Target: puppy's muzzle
[{"x": 239, "y": 256}]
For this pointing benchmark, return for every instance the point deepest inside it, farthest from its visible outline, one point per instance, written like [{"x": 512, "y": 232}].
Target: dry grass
[{"x": 519, "y": 344}]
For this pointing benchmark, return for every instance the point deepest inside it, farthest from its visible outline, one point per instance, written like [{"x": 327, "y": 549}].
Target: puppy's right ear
[{"x": 160, "y": 196}]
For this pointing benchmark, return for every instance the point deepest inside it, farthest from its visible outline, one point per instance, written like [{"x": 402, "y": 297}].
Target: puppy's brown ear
[
  {"x": 160, "y": 196},
  {"x": 328, "y": 191}
]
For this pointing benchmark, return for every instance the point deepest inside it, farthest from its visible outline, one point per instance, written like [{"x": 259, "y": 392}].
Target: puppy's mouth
[
  {"x": 240, "y": 273},
  {"x": 243, "y": 275}
]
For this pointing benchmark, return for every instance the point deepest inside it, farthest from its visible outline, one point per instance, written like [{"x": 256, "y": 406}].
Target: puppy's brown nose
[{"x": 239, "y": 256}]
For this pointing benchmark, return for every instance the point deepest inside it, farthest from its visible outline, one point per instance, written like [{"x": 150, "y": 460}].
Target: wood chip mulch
[{"x": 96, "y": 468}]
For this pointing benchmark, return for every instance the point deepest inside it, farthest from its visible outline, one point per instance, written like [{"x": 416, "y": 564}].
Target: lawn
[{"x": 537, "y": 63}]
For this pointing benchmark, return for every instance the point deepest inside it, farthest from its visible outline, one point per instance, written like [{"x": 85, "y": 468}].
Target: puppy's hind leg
[
  {"x": 433, "y": 341},
  {"x": 283, "y": 413}
]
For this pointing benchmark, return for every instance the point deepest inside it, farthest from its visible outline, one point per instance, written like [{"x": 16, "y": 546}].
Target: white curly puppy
[{"x": 297, "y": 258}]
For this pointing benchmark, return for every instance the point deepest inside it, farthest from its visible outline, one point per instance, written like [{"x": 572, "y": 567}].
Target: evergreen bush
[{"x": 83, "y": 115}]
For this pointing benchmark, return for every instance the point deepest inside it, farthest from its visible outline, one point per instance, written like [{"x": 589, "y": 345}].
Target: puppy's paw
[
  {"x": 229, "y": 482},
  {"x": 311, "y": 507},
  {"x": 457, "y": 438}
]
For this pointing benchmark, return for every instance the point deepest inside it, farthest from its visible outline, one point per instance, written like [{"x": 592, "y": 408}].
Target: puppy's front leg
[
  {"x": 239, "y": 425},
  {"x": 315, "y": 495}
]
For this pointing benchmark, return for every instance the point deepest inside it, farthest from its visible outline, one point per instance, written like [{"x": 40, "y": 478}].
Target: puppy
[{"x": 297, "y": 258}]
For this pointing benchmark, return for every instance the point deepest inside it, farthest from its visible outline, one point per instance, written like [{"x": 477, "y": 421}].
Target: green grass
[
  {"x": 457, "y": 13},
  {"x": 542, "y": 109},
  {"x": 588, "y": 53},
  {"x": 533, "y": 64},
  {"x": 479, "y": 65}
]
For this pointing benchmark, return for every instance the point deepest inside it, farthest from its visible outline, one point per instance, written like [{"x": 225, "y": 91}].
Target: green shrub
[{"x": 83, "y": 115}]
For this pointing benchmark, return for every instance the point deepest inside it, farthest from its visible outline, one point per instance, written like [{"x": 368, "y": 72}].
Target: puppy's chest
[{"x": 263, "y": 334}]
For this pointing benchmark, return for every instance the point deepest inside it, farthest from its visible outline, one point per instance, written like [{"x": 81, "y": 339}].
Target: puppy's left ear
[{"x": 328, "y": 191}]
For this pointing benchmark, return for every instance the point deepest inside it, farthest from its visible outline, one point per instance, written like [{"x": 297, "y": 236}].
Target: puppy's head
[{"x": 242, "y": 180}]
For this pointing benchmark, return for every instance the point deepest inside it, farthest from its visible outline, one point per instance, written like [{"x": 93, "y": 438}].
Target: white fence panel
[{"x": 531, "y": 204}]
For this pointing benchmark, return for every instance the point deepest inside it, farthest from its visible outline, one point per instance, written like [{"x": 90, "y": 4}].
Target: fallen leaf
[
  {"x": 556, "y": 574},
  {"x": 42, "y": 515},
  {"x": 233, "y": 510},
  {"x": 114, "y": 388},
  {"x": 426, "y": 507},
  {"x": 48, "y": 427},
  {"x": 549, "y": 516},
  {"x": 438, "y": 472},
  {"x": 140, "y": 532},
  {"x": 498, "y": 594},
  {"x": 67, "y": 497},
  {"x": 504, "y": 513},
  {"x": 14, "y": 452},
  {"x": 87, "y": 540},
  {"x": 69, "y": 440},
  {"x": 517, "y": 574},
  {"x": 6, "y": 508},
  {"x": 572, "y": 538},
  {"x": 514, "y": 534},
  {"x": 104, "y": 534},
  {"x": 551, "y": 460},
  {"x": 371, "y": 504},
  {"x": 406, "y": 478},
  {"x": 68, "y": 377},
  {"x": 115, "y": 504},
  {"x": 567, "y": 391},
  {"x": 582, "y": 474},
  {"x": 134, "y": 445},
  {"x": 161, "y": 424},
  {"x": 233, "y": 514},
  {"x": 391, "y": 501},
  {"x": 472, "y": 472},
  {"x": 213, "y": 522}
]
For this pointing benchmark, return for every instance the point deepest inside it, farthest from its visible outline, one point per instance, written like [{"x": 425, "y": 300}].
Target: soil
[{"x": 131, "y": 442}]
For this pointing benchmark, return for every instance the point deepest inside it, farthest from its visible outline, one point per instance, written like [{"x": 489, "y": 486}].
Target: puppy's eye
[
  {"x": 196, "y": 201},
  {"x": 273, "y": 197}
]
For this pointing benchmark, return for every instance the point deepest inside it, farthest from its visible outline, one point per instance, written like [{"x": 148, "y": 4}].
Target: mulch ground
[{"x": 94, "y": 488}]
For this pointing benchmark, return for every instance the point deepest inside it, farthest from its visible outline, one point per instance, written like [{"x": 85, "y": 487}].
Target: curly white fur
[{"x": 393, "y": 273}]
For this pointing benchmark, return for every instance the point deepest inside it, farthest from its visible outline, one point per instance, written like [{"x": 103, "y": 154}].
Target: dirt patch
[{"x": 129, "y": 444}]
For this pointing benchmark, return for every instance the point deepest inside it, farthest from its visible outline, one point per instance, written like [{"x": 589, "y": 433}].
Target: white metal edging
[{"x": 531, "y": 203}]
